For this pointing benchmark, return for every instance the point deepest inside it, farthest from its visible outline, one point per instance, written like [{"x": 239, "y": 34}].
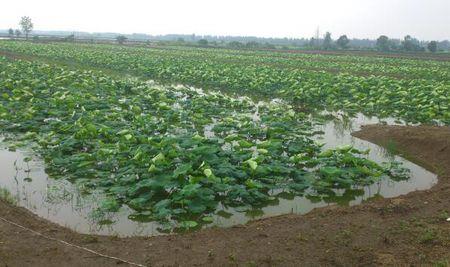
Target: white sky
[{"x": 424, "y": 19}]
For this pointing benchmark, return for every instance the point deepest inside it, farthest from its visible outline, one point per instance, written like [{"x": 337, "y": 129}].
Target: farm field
[
  {"x": 234, "y": 129},
  {"x": 409, "y": 89}
]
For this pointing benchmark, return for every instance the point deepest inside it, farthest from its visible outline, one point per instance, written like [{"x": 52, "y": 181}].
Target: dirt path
[{"x": 410, "y": 229}]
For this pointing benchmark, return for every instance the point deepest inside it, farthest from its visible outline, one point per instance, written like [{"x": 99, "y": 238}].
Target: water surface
[{"x": 61, "y": 202}]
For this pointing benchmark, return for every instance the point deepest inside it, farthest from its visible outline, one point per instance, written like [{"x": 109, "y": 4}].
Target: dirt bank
[{"x": 410, "y": 229}]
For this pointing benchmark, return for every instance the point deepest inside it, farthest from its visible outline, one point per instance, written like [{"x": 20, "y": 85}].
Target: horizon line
[{"x": 235, "y": 36}]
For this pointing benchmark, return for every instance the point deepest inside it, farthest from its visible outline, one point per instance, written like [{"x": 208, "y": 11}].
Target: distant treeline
[{"x": 383, "y": 43}]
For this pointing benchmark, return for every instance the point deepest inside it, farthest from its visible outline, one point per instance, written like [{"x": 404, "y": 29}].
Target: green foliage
[
  {"x": 327, "y": 41},
  {"x": 343, "y": 41},
  {"x": 121, "y": 39},
  {"x": 6, "y": 196},
  {"x": 17, "y": 32},
  {"x": 412, "y": 90},
  {"x": 172, "y": 154},
  {"x": 202, "y": 42},
  {"x": 411, "y": 44},
  {"x": 26, "y": 25},
  {"x": 70, "y": 38},
  {"x": 432, "y": 46},
  {"x": 235, "y": 44},
  {"x": 383, "y": 43}
]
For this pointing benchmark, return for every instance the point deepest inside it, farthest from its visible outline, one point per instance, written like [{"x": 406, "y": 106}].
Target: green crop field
[
  {"x": 410, "y": 89},
  {"x": 174, "y": 153}
]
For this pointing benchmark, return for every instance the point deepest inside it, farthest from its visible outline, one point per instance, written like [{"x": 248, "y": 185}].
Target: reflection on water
[{"x": 61, "y": 202}]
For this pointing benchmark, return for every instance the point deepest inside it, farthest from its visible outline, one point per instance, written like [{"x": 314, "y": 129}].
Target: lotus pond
[
  {"x": 130, "y": 157},
  {"x": 410, "y": 89},
  {"x": 62, "y": 202}
]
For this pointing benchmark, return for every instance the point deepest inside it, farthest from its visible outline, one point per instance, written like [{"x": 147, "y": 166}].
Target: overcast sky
[{"x": 424, "y": 19}]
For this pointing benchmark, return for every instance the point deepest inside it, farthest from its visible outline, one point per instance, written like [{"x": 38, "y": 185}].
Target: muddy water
[
  {"x": 59, "y": 201},
  {"x": 336, "y": 133}
]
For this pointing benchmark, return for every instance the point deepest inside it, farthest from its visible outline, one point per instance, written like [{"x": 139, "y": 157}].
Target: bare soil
[{"x": 407, "y": 230}]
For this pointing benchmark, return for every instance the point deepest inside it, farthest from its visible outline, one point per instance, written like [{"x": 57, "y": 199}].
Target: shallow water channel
[{"x": 59, "y": 201}]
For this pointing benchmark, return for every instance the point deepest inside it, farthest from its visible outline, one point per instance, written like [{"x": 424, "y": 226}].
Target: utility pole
[{"x": 317, "y": 36}]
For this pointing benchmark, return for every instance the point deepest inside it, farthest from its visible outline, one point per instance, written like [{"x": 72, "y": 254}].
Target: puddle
[
  {"x": 338, "y": 133},
  {"x": 59, "y": 201}
]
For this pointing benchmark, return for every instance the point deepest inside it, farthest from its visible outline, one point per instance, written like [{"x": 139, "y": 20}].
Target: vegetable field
[
  {"x": 174, "y": 153},
  {"x": 409, "y": 89}
]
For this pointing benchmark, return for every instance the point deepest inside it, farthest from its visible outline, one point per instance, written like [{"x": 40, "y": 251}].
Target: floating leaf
[
  {"x": 253, "y": 164},
  {"x": 207, "y": 172}
]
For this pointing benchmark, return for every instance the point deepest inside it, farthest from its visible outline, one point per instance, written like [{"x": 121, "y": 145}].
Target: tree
[
  {"x": 202, "y": 42},
  {"x": 407, "y": 43},
  {"x": 235, "y": 44},
  {"x": 312, "y": 42},
  {"x": 70, "y": 38},
  {"x": 411, "y": 44},
  {"x": 343, "y": 41},
  {"x": 269, "y": 45},
  {"x": 383, "y": 43},
  {"x": 121, "y": 39},
  {"x": 432, "y": 46},
  {"x": 327, "y": 41},
  {"x": 18, "y": 33},
  {"x": 11, "y": 32},
  {"x": 252, "y": 44},
  {"x": 26, "y": 25}
]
